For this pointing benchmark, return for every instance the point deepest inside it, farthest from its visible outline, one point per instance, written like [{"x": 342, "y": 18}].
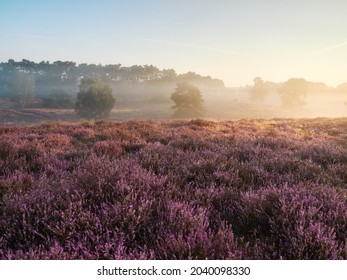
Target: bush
[
  {"x": 58, "y": 99},
  {"x": 94, "y": 99},
  {"x": 188, "y": 101}
]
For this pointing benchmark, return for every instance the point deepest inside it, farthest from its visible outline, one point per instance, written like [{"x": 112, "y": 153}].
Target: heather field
[{"x": 247, "y": 189}]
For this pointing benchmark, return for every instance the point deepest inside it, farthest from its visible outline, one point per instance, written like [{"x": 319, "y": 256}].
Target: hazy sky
[{"x": 234, "y": 40}]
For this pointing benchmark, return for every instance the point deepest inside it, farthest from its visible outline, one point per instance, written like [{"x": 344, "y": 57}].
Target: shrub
[
  {"x": 188, "y": 101},
  {"x": 94, "y": 99},
  {"x": 58, "y": 99}
]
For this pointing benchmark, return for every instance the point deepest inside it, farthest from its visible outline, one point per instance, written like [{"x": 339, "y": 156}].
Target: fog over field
[
  {"x": 44, "y": 91},
  {"x": 143, "y": 52}
]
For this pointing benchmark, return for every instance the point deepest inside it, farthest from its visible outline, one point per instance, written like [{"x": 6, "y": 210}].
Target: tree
[
  {"x": 94, "y": 99},
  {"x": 23, "y": 88},
  {"x": 188, "y": 101},
  {"x": 293, "y": 93},
  {"x": 259, "y": 91}
]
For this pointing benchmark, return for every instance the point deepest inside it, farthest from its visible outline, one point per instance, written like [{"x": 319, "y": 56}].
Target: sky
[{"x": 233, "y": 40}]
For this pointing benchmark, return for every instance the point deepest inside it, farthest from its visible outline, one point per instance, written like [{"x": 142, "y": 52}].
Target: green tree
[
  {"x": 94, "y": 99},
  {"x": 258, "y": 91},
  {"x": 188, "y": 101},
  {"x": 23, "y": 88},
  {"x": 293, "y": 93}
]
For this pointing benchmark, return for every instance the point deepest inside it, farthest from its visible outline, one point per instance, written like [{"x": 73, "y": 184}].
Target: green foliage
[
  {"x": 188, "y": 101},
  {"x": 259, "y": 91},
  {"x": 23, "y": 88},
  {"x": 293, "y": 93},
  {"x": 94, "y": 99},
  {"x": 58, "y": 99}
]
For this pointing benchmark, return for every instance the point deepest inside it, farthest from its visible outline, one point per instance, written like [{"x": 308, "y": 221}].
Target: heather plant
[
  {"x": 56, "y": 141},
  {"x": 6, "y": 149},
  {"x": 295, "y": 222},
  {"x": 174, "y": 190},
  {"x": 188, "y": 235},
  {"x": 108, "y": 148}
]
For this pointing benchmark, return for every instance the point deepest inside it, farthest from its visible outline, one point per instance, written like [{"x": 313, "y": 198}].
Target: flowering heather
[{"x": 174, "y": 190}]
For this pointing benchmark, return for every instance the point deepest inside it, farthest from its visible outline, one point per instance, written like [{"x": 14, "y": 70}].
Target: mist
[{"x": 145, "y": 92}]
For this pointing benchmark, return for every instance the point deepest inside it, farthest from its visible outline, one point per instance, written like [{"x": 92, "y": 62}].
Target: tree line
[
  {"x": 57, "y": 84},
  {"x": 66, "y": 75},
  {"x": 91, "y": 88}
]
